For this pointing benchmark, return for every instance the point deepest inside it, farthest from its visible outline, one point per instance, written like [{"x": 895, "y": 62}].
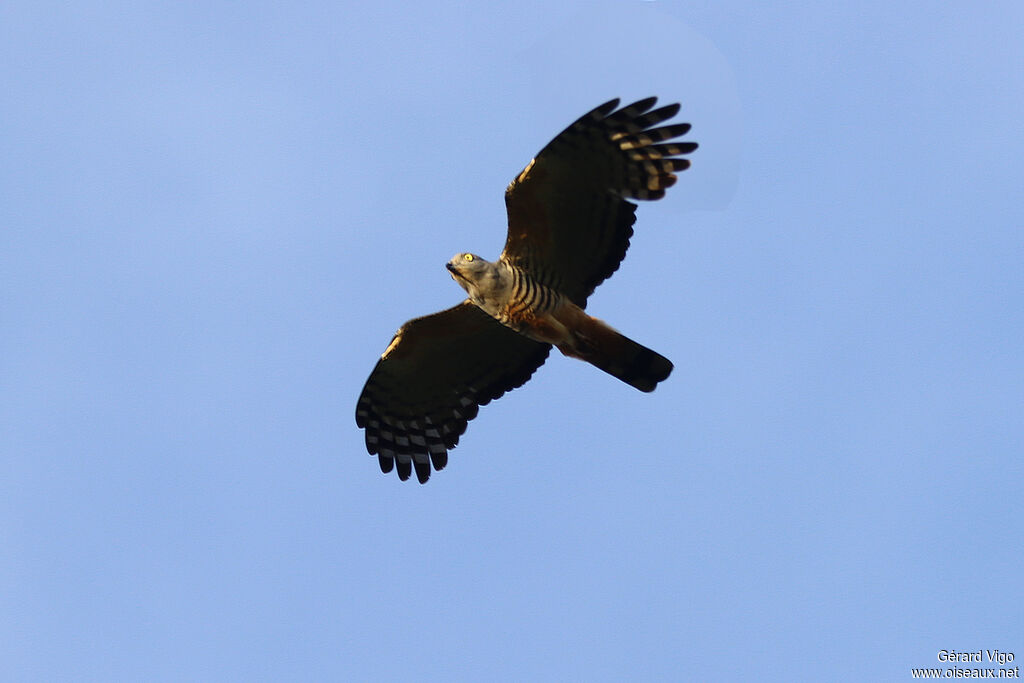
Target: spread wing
[
  {"x": 569, "y": 221},
  {"x": 431, "y": 381}
]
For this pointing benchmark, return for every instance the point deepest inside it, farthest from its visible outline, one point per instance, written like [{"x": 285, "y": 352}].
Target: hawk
[{"x": 569, "y": 224}]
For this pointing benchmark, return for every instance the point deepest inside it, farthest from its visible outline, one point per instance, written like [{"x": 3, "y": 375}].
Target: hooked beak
[{"x": 456, "y": 275}]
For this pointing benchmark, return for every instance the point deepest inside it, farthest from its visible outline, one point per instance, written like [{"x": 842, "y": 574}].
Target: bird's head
[{"x": 475, "y": 275}]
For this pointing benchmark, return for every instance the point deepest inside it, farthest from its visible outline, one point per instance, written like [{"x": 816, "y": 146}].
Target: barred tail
[{"x": 600, "y": 345}]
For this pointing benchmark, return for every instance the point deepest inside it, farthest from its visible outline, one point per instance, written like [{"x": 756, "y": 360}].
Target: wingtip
[
  {"x": 671, "y": 109},
  {"x": 422, "y": 471},
  {"x": 404, "y": 469},
  {"x": 645, "y": 104},
  {"x": 606, "y": 108}
]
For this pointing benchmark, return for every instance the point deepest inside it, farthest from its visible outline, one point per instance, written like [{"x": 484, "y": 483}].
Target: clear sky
[{"x": 213, "y": 217}]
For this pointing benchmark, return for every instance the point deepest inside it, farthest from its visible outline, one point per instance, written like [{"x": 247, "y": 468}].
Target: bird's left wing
[
  {"x": 569, "y": 218},
  {"x": 432, "y": 379}
]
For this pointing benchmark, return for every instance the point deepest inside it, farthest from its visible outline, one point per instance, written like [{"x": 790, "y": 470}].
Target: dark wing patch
[
  {"x": 569, "y": 218},
  {"x": 432, "y": 380}
]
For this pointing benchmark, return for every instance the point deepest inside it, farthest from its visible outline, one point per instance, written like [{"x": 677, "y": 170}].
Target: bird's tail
[{"x": 604, "y": 347}]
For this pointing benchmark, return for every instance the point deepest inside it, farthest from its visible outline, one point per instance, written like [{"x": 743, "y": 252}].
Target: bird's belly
[
  {"x": 539, "y": 326},
  {"x": 545, "y": 329}
]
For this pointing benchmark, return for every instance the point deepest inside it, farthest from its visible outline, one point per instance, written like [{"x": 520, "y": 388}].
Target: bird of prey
[{"x": 569, "y": 225}]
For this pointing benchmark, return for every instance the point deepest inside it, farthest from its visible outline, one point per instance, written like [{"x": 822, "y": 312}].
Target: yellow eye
[{"x": 467, "y": 257}]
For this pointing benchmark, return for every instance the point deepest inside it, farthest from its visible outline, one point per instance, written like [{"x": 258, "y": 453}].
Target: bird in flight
[{"x": 569, "y": 224}]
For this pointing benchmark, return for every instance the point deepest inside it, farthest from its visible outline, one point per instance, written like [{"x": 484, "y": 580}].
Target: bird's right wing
[{"x": 432, "y": 379}]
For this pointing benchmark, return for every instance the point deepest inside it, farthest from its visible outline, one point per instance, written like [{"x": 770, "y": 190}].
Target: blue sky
[{"x": 215, "y": 215}]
